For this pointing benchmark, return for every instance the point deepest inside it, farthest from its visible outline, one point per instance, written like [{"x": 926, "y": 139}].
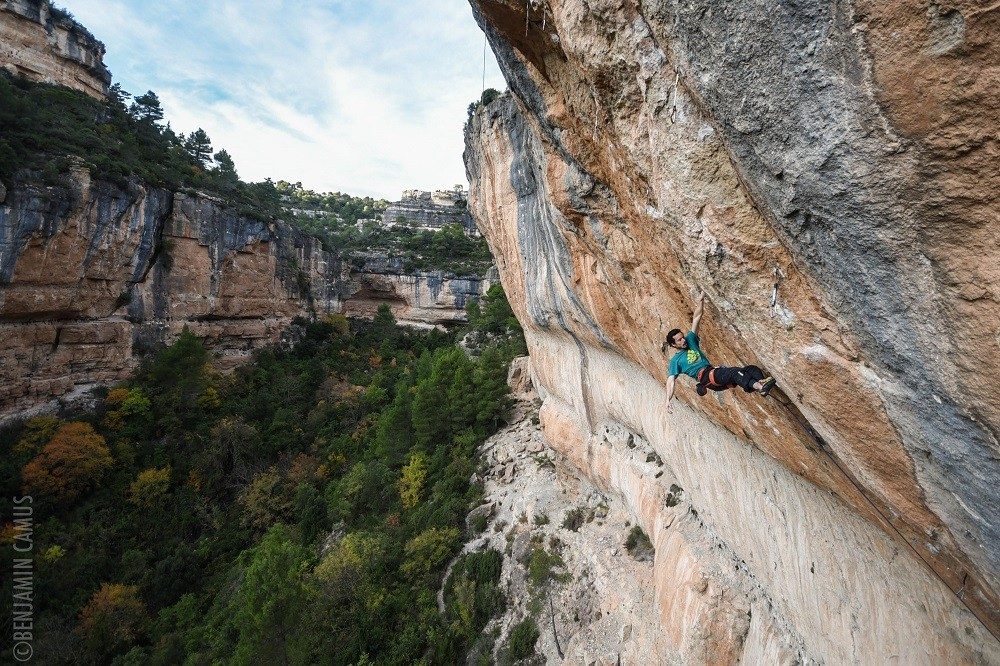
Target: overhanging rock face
[{"x": 828, "y": 175}]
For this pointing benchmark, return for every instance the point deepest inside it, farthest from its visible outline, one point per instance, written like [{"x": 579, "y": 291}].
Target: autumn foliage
[
  {"x": 70, "y": 464},
  {"x": 114, "y": 616},
  {"x": 149, "y": 486}
]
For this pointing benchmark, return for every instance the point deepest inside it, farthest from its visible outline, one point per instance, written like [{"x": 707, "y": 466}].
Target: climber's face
[{"x": 679, "y": 342}]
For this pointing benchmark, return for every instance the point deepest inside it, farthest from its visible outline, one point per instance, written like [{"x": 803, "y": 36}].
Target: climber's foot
[{"x": 766, "y": 385}]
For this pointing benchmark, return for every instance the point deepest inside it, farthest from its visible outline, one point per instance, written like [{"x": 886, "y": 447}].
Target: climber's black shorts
[{"x": 725, "y": 378}]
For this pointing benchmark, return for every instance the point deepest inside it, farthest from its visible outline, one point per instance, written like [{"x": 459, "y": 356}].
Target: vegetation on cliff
[
  {"x": 47, "y": 128},
  {"x": 325, "y": 207},
  {"x": 352, "y": 226},
  {"x": 302, "y": 510}
]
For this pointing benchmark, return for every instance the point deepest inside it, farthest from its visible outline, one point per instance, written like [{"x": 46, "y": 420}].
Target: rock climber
[{"x": 691, "y": 360}]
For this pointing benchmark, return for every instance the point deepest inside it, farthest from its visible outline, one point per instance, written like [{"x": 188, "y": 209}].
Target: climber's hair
[{"x": 670, "y": 339}]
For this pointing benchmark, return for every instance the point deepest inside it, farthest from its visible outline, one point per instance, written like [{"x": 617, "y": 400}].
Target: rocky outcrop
[
  {"x": 430, "y": 210},
  {"x": 602, "y": 608},
  {"x": 43, "y": 44},
  {"x": 92, "y": 276},
  {"x": 417, "y": 298},
  {"x": 834, "y": 206}
]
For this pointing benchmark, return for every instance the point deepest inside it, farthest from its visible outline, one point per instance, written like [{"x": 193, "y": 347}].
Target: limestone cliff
[
  {"x": 93, "y": 275},
  {"x": 42, "y": 44},
  {"x": 430, "y": 210},
  {"x": 827, "y": 173}
]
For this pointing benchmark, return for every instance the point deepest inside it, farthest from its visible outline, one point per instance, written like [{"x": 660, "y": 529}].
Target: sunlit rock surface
[
  {"x": 93, "y": 276},
  {"x": 41, "y": 45},
  {"x": 827, "y": 174}
]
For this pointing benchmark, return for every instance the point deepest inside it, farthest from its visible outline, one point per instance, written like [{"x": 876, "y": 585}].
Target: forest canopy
[{"x": 301, "y": 510}]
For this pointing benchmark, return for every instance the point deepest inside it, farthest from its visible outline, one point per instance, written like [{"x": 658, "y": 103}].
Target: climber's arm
[
  {"x": 670, "y": 393},
  {"x": 698, "y": 311}
]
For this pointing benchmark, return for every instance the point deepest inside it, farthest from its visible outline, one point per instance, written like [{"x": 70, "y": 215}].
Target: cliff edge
[
  {"x": 42, "y": 43},
  {"x": 93, "y": 275},
  {"x": 828, "y": 175}
]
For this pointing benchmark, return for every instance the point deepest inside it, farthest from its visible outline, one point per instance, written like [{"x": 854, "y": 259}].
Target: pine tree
[
  {"x": 147, "y": 108},
  {"x": 199, "y": 146},
  {"x": 225, "y": 167}
]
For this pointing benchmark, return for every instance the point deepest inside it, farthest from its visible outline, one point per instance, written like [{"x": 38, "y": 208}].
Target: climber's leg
[
  {"x": 750, "y": 378},
  {"x": 753, "y": 376},
  {"x": 726, "y": 376}
]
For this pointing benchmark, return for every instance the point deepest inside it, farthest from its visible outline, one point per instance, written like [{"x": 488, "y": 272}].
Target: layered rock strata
[
  {"x": 42, "y": 45},
  {"x": 92, "y": 276},
  {"x": 779, "y": 159},
  {"x": 417, "y": 298},
  {"x": 430, "y": 210}
]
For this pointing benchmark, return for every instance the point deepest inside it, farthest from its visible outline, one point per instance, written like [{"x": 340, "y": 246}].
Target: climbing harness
[{"x": 706, "y": 381}]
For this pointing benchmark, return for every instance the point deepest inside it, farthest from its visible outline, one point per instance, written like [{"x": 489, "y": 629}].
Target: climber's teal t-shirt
[{"x": 691, "y": 360}]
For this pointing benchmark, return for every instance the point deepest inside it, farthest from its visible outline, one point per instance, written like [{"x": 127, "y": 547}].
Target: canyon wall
[
  {"x": 430, "y": 210},
  {"x": 827, "y": 174},
  {"x": 92, "y": 276},
  {"x": 40, "y": 44}
]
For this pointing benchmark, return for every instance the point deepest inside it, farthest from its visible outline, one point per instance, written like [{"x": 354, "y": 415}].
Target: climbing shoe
[
  {"x": 700, "y": 388},
  {"x": 767, "y": 384}
]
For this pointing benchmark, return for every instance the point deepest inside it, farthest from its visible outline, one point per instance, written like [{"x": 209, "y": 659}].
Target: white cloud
[{"x": 366, "y": 98}]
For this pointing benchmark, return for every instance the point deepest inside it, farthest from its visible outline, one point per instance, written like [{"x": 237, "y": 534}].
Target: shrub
[
  {"x": 542, "y": 566},
  {"x": 575, "y": 518},
  {"x": 522, "y": 639},
  {"x": 479, "y": 523},
  {"x": 638, "y": 545}
]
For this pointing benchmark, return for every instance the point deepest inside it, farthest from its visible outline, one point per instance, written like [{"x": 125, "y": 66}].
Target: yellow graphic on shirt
[{"x": 692, "y": 356}]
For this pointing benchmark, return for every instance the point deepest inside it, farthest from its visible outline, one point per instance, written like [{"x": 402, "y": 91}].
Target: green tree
[
  {"x": 384, "y": 324},
  {"x": 489, "y": 95},
  {"x": 199, "y": 147},
  {"x": 225, "y": 168},
  {"x": 146, "y": 108},
  {"x": 411, "y": 481},
  {"x": 266, "y": 610},
  {"x": 521, "y": 642},
  {"x": 429, "y": 550},
  {"x": 309, "y": 511}
]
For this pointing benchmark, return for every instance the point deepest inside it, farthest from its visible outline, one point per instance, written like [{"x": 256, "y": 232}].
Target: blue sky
[{"x": 366, "y": 97}]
